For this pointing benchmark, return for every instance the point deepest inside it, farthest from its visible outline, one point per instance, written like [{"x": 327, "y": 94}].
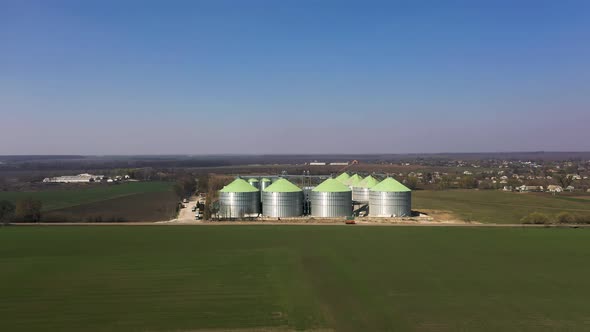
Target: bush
[
  {"x": 570, "y": 218},
  {"x": 535, "y": 218},
  {"x": 566, "y": 218},
  {"x": 583, "y": 219}
]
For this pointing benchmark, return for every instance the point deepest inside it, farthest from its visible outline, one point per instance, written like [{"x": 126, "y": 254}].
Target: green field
[
  {"x": 54, "y": 199},
  {"x": 343, "y": 278},
  {"x": 494, "y": 206},
  {"x": 132, "y": 201}
]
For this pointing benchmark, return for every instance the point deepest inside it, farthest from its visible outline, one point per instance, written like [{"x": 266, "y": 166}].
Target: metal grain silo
[
  {"x": 282, "y": 199},
  {"x": 239, "y": 199},
  {"x": 265, "y": 183},
  {"x": 331, "y": 199},
  {"x": 254, "y": 183},
  {"x": 342, "y": 177},
  {"x": 353, "y": 181},
  {"x": 390, "y": 198},
  {"x": 360, "y": 192}
]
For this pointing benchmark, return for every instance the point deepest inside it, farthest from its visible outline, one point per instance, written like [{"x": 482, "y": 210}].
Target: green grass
[
  {"x": 54, "y": 199},
  {"x": 151, "y": 206},
  {"x": 346, "y": 278},
  {"x": 494, "y": 206}
]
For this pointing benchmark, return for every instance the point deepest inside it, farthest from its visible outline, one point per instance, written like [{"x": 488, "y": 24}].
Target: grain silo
[
  {"x": 331, "y": 199},
  {"x": 360, "y": 192},
  {"x": 282, "y": 199},
  {"x": 264, "y": 183},
  {"x": 353, "y": 181},
  {"x": 342, "y": 177},
  {"x": 239, "y": 199},
  {"x": 254, "y": 183},
  {"x": 390, "y": 198}
]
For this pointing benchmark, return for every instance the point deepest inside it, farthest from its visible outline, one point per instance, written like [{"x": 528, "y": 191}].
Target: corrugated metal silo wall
[
  {"x": 239, "y": 204},
  {"x": 390, "y": 204},
  {"x": 360, "y": 194},
  {"x": 264, "y": 184},
  {"x": 282, "y": 204},
  {"x": 331, "y": 204}
]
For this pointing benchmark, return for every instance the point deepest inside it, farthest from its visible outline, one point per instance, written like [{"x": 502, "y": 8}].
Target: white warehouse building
[{"x": 80, "y": 178}]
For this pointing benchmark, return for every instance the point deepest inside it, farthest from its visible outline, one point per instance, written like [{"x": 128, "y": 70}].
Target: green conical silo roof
[
  {"x": 354, "y": 180},
  {"x": 368, "y": 182},
  {"x": 343, "y": 177},
  {"x": 253, "y": 180},
  {"x": 282, "y": 186},
  {"x": 238, "y": 186},
  {"x": 331, "y": 185},
  {"x": 390, "y": 185},
  {"x": 265, "y": 180}
]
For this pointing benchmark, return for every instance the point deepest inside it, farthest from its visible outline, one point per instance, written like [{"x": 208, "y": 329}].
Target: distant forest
[{"x": 73, "y": 162}]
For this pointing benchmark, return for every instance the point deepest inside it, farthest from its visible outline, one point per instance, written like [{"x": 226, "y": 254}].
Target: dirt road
[{"x": 186, "y": 214}]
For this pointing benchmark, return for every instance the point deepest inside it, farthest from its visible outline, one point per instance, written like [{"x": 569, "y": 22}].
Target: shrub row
[{"x": 560, "y": 218}]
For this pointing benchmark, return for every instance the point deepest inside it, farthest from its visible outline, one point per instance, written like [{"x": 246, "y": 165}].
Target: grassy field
[
  {"x": 494, "y": 206},
  {"x": 343, "y": 278},
  {"x": 150, "y": 206},
  {"x": 132, "y": 201},
  {"x": 54, "y": 199}
]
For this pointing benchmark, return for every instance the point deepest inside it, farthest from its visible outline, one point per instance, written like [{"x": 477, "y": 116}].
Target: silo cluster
[
  {"x": 239, "y": 199},
  {"x": 389, "y": 198},
  {"x": 282, "y": 199},
  {"x": 331, "y": 198}
]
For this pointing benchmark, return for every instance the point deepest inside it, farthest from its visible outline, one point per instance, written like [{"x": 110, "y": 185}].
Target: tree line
[{"x": 25, "y": 210}]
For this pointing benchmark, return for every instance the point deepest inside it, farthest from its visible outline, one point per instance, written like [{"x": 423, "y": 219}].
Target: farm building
[
  {"x": 80, "y": 178},
  {"x": 552, "y": 188}
]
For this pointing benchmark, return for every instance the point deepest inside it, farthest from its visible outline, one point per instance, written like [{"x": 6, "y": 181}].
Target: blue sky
[{"x": 207, "y": 77}]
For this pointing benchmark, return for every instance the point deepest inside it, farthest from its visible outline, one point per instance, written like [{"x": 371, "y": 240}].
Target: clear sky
[{"x": 168, "y": 77}]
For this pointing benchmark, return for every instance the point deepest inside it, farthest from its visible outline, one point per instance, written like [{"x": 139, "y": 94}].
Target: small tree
[
  {"x": 565, "y": 180},
  {"x": 468, "y": 182},
  {"x": 445, "y": 183},
  {"x": 203, "y": 183},
  {"x": 207, "y": 208},
  {"x": 6, "y": 212},
  {"x": 28, "y": 209},
  {"x": 535, "y": 218},
  {"x": 185, "y": 186},
  {"x": 412, "y": 182}
]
